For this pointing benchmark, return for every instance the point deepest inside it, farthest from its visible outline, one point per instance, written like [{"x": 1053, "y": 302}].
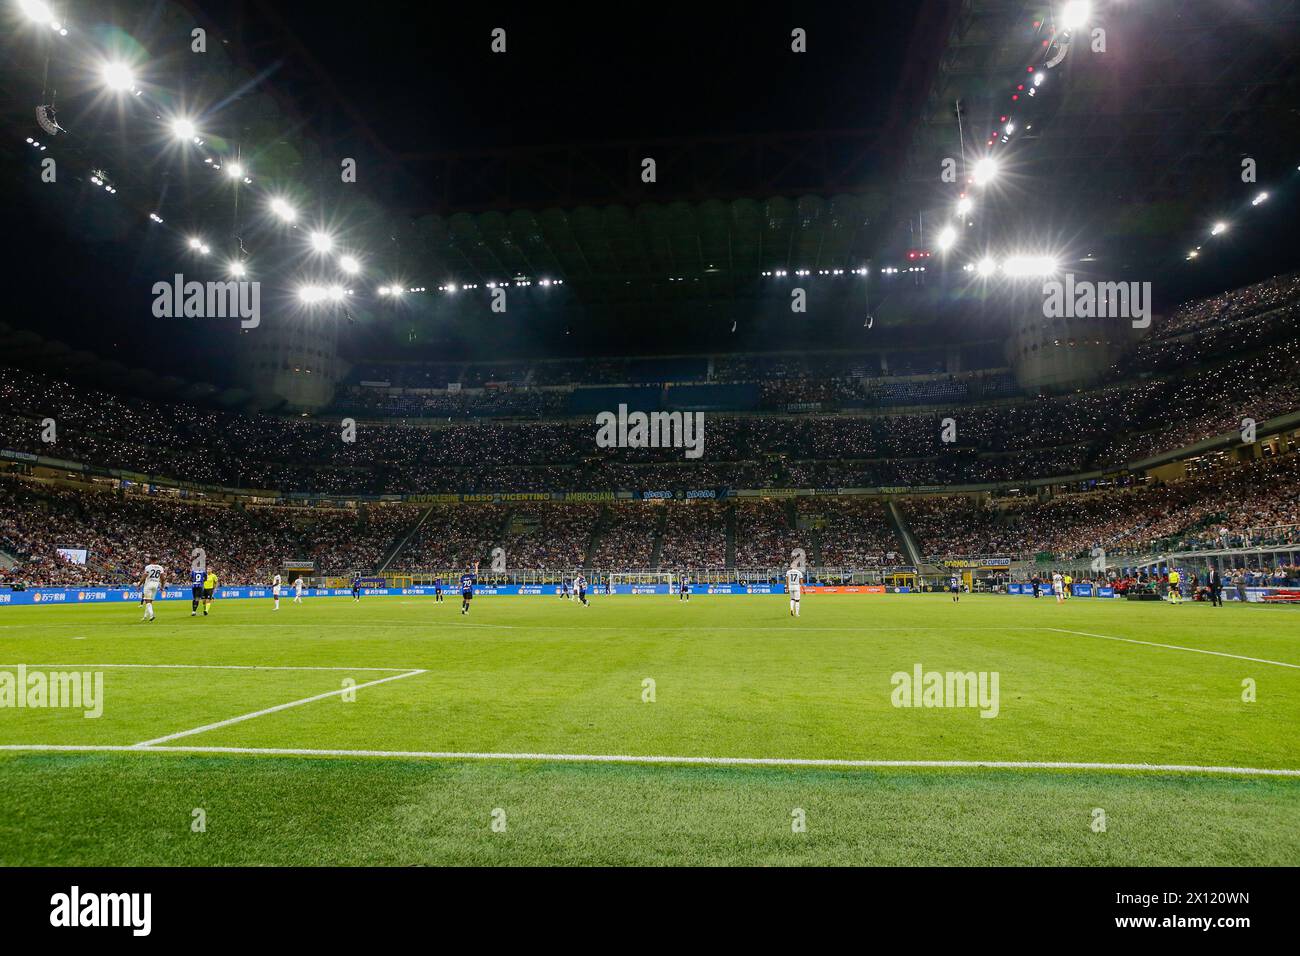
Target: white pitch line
[
  {"x": 222, "y": 667},
  {"x": 657, "y": 759},
  {"x": 1175, "y": 647},
  {"x": 271, "y": 710}
]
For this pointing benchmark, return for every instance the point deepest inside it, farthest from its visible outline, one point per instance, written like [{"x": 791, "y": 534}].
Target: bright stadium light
[
  {"x": 1075, "y": 14},
  {"x": 36, "y": 10},
  {"x": 235, "y": 170},
  {"x": 349, "y": 265},
  {"x": 117, "y": 76},
  {"x": 1219, "y": 229},
  {"x": 336, "y": 293},
  {"x": 196, "y": 242},
  {"x": 1262, "y": 197},
  {"x": 986, "y": 170},
  {"x": 283, "y": 210},
  {"x": 947, "y": 238},
  {"x": 311, "y": 294},
  {"x": 184, "y": 129},
  {"x": 1029, "y": 266},
  {"x": 986, "y": 266},
  {"x": 321, "y": 241},
  {"x": 964, "y": 205},
  {"x": 238, "y": 270}
]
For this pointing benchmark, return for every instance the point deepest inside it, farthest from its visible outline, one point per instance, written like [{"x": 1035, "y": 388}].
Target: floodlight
[
  {"x": 1219, "y": 229},
  {"x": 947, "y": 236},
  {"x": 183, "y": 129},
  {"x": 283, "y": 210},
  {"x": 964, "y": 205},
  {"x": 36, "y": 10},
  {"x": 1259, "y": 199},
  {"x": 1075, "y": 14},
  {"x": 117, "y": 76},
  {"x": 238, "y": 270},
  {"x": 349, "y": 265},
  {"x": 195, "y": 242},
  {"x": 985, "y": 171},
  {"x": 1022, "y": 266},
  {"x": 235, "y": 170},
  {"x": 311, "y": 294},
  {"x": 986, "y": 266},
  {"x": 321, "y": 242}
]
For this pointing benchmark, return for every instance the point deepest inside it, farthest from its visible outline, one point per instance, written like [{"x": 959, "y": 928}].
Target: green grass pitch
[{"x": 1091, "y": 682}]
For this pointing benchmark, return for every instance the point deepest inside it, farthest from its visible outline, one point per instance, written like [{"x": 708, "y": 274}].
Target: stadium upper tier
[{"x": 1217, "y": 363}]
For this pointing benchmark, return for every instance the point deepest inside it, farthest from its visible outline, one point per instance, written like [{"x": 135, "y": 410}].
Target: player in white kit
[
  {"x": 794, "y": 584},
  {"x": 151, "y": 582},
  {"x": 275, "y": 591},
  {"x": 297, "y": 590},
  {"x": 1058, "y": 587}
]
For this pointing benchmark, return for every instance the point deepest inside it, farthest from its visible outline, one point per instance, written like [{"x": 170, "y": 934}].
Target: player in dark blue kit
[
  {"x": 356, "y": 587},
  {"x": 954, "y": 585},
  {"x": 467, "y": 582},
  {"x": 581, "y": 585},
  {"x": 684, "y": 593},
  {"x": 437, "y": 591},
  {"x": 196, "y": 590}
]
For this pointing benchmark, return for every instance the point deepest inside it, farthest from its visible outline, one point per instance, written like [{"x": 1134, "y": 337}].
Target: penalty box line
[
  {"x": 271, "y": 710},
  {"x": 1174, "y": 647},
  {"x": 812, "y": 762}
]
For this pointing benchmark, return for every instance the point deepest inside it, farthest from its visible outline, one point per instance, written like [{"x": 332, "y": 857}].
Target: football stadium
[{"x": 766, "y": 437}]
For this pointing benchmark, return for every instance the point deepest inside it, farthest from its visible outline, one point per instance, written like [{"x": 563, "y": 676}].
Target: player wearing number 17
[{"x": 794, "y": 585}]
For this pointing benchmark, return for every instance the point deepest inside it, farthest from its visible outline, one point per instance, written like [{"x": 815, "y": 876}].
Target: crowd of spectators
[
  {"x": 694, "y": 536},
  {"x": 1221, "y": 507},
  {"x": 1218, "y": 362},
  {"x": 851, "y": 532},
  {"x": 245, "y": 545}
]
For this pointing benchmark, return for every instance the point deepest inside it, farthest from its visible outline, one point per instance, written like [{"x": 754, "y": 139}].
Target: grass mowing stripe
[
  {"x": 272, "y": 710},
  {"x": 824, "y": 762}
]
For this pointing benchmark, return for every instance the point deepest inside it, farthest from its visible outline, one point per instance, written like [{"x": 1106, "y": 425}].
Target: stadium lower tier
[{"x": 54, "y": 533}]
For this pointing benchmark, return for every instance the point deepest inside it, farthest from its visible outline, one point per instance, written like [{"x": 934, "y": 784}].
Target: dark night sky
[{"x": 428, "y": 79}]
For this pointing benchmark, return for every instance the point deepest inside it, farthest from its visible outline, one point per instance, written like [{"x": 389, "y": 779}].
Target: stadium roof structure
[
  {"x": 1137, "y": 134},
  {"x": 1122, "y": 157}
]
